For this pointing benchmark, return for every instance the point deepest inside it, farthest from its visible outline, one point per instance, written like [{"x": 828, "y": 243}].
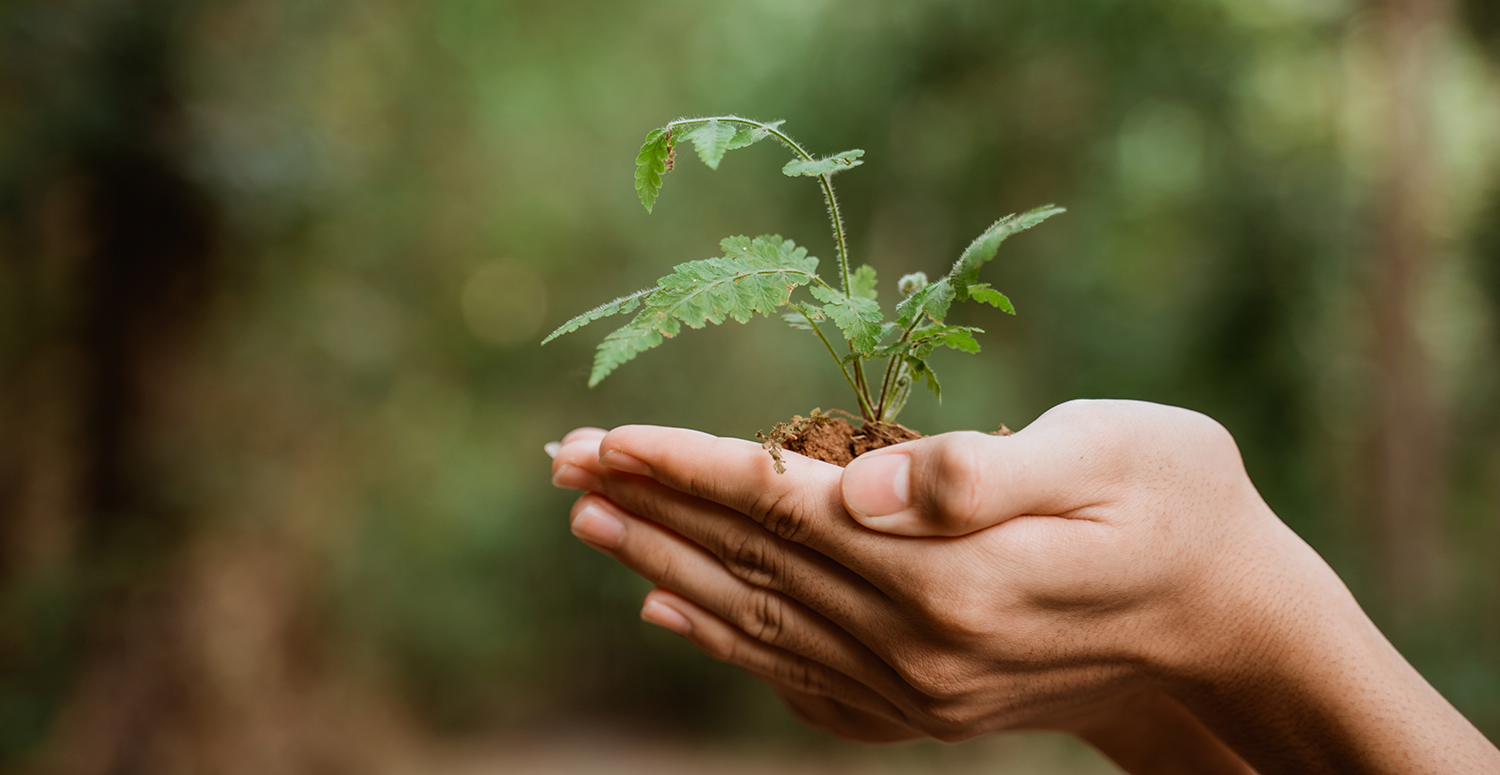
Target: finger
[
  {"x": 756, "y": 557},
  {"x": 841, "y": 719},
  {"x": 958, "y": 483},
  {"x": 575, "y": 465},
  {"x": 586, "y": 432},
  {"x": 803, "y": 505},
  {"x": 671, "y": 561},
  {"x": 816, "y": 687}
]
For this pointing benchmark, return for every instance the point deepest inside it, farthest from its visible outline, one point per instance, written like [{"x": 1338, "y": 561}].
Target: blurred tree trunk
[
  {"x": 107, "y": 360},
  {"x": 1407, "y": 483}
]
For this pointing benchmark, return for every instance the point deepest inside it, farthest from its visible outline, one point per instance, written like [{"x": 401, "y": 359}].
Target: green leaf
[
  {"x": 651, "y": 164},
  {"x": 826, "y": 166},
  {"x": 961, "y": 340},
  {"x": 859, "y": 318},
  {"x": 801, "y": 316},
  {"x": 620, "y": 305},
  {"x": 926, "y": 340},
  {"x": 982, "y": 249},
  {"x": 984, "y": 293},
  {"x": 751, "y": 135},
  {"x": 862, "y": 283},
  {"x": 930, "y": 300},
  {"x": 711, "y": 140},
  {"x": 920, "y": 370},
  {"x": 624, "y": 344},
  {"x": 754, "y": 276},
  {"x": 797, "y": 320}
]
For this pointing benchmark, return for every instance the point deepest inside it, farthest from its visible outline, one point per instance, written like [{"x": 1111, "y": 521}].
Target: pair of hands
[{"x": 1109, "y": 571}]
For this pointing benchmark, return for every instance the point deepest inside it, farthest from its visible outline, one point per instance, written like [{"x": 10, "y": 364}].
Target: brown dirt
[{"x": 834, "y": 440}]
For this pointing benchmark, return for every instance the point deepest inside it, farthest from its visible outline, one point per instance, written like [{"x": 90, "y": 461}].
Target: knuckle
[
  {"x": 747, "y": 556},
  {"x": 763, "y": 616},
  {"x": 807, "y": 677},
  {"x": 960, "y": 487},
  {"x": 782, "y": 513}
]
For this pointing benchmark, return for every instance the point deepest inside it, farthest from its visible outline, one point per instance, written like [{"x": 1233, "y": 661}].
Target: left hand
[{"x": 847, "y": 711}]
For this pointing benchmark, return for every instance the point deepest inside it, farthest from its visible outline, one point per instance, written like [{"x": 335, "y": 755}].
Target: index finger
[{"x": 804, "y": 504}]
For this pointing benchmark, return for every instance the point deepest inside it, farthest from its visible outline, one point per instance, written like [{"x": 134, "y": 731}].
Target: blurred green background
[{"x": 273, "y": 275}]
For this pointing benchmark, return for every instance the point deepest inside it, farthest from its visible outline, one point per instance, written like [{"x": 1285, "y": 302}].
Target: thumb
[{"x": 959, "y": 483}]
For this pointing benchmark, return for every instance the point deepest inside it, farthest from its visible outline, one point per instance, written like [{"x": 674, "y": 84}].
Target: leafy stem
[
  {"x": 864, "y": 404},
  {"x": 758, "y": 276},
  {"x": 892, "y": 370},
  {"x": 792, "y": 145}
]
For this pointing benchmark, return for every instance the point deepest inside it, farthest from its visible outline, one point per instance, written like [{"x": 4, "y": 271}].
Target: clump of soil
[{"x": 833, "y": 439}]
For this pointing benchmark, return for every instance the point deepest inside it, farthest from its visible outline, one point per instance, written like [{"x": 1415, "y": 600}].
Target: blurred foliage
[{"x": 407, "y": 196}]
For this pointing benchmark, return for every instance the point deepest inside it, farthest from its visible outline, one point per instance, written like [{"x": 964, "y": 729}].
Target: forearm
[
  {"x": 1312, "y": 686},
  {"x": 1149, "y": 732}
]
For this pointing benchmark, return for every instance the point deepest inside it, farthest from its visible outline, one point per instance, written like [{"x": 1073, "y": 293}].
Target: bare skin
[{"x": 1109, "y": 571}]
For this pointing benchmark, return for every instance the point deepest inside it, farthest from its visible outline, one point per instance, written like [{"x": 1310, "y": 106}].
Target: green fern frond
[
  {"x": 616, "y": 307},
  {"x": 858, "y": 317},
  {"x": 751, "y": 135},
  {"x": 931, "y": 300},
  {"x": 862, "y": 283},
  {"x": 754, "y": 276},
  {"x": 651, "y": 164},
  {"x": 712, "y": 140},
  {"x": 982, "y": 249},
  {"x": 982, "y": 292}
]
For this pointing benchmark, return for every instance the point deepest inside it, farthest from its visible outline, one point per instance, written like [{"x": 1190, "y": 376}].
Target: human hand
[
  {"x": 845, "y": 655},
  {"x": 794, "y": 678},
  {"x": 1127, "y": 556}
]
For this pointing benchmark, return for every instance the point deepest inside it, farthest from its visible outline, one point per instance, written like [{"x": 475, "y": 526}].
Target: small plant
[{"x": 759, "y": 276}]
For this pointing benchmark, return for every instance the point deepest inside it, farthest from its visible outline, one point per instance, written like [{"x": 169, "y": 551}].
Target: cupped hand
[{"x": 1111, "y": 559}]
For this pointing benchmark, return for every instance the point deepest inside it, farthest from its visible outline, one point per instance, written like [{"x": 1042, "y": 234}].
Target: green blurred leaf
[
  {"x": 751, "y": 135},
  {"x": 826, "y": 166},
  {"x": 962, "y": 340},
  {"x": 862, "y": 283},
  {"x": 982, "y": 292}
]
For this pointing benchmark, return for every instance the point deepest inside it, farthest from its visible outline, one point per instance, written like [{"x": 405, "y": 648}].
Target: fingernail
[
  {"x": 663, "y": 615},
  {"x": 596, "y": 526},
  {"x": 877, "y": 485},
  {"x": 571, "y": 477},
  {"x": 620, "y": 461},
  {"x": 551, "y": 448}
]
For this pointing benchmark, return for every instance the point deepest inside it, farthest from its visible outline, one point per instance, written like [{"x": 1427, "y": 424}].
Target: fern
[
  {"x": 753, "y": 276},
  {"x": 618, "y": 306},
  {"x": 760, "y": 276}
]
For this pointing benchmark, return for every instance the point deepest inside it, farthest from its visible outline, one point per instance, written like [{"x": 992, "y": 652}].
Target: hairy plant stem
[
  {"x": 859, "y": 383},
  {"x": 891, "y": 370},
  {"x": 864, "y": 401}
]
